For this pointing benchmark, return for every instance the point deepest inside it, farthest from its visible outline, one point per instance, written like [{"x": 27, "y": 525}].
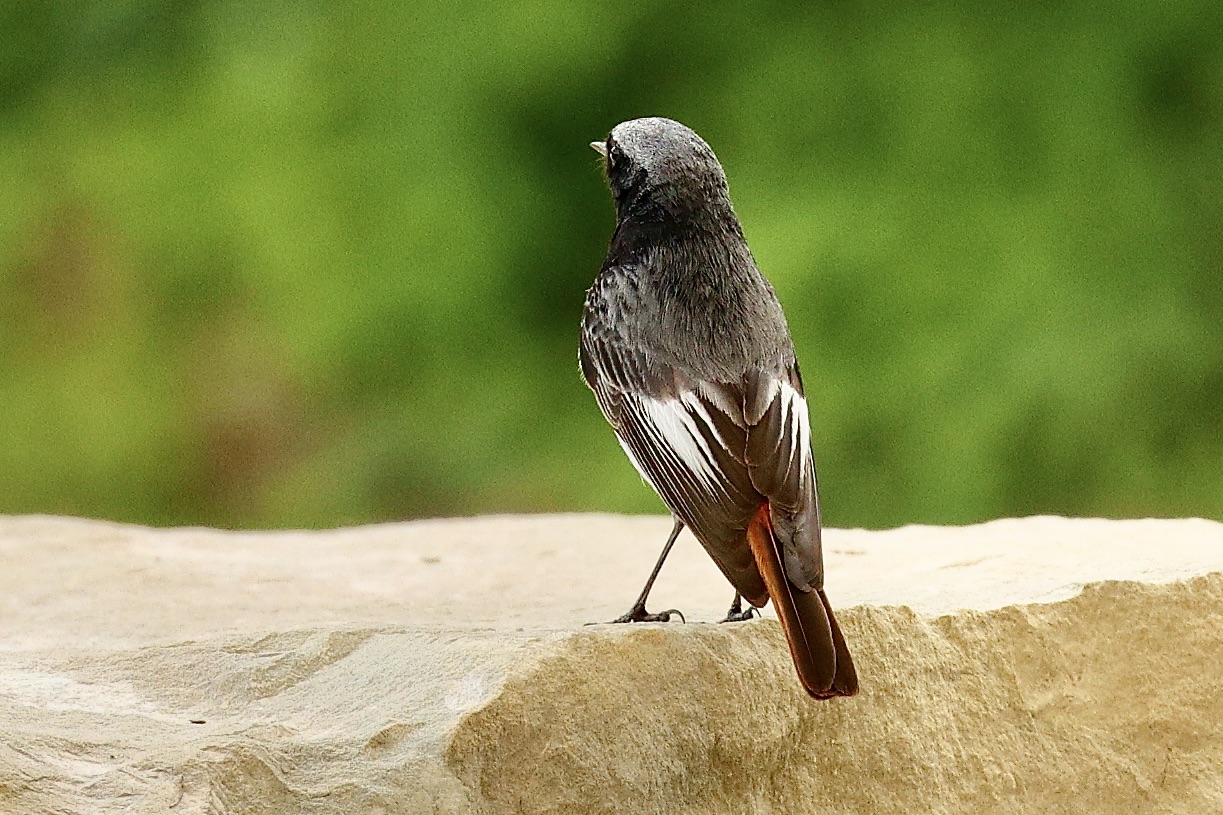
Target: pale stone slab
[{"x": 441, "y": 666}]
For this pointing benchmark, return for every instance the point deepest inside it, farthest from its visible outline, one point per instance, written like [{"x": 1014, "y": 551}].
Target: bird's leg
[
  {"x": 736, "y": 613},
  {"x": 638, "y": 614}
]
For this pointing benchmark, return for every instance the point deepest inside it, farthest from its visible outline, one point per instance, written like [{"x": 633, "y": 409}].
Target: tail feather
[
  {"x": 845, "y": 682},
  {"x": 817, "y": 647}
]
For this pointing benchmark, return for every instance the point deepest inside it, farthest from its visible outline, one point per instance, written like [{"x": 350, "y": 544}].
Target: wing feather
[{"x": 782, "y": 467}]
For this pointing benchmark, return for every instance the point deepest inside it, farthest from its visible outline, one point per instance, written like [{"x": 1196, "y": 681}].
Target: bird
[{"x": 687, "y": 350}]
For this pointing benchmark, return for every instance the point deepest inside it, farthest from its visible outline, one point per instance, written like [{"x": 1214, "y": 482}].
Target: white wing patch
[
  {"x": 681, "y": 452},
  {"x": 794, "y": 413},
  {"x": 677, "y": 428},
  {"x": 698, "y": 410}
]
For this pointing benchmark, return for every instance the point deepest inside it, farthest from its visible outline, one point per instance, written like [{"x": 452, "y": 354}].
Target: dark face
[{"x": 626, "y": 178}]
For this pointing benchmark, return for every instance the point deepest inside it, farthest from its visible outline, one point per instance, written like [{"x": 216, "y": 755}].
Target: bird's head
[{"x": 658, "y": 169}]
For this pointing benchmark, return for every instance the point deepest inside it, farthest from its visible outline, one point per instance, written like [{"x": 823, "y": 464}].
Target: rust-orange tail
[{"x": 820, "y": 655}]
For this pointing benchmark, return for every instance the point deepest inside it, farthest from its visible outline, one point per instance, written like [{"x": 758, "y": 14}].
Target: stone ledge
[{"x": 439, "y": 666}]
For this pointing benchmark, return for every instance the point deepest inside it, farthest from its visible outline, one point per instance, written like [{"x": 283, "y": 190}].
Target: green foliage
[{"x": 312, "y": 264}]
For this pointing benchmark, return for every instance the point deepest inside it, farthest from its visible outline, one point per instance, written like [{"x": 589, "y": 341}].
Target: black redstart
[{"x": 688, "y": 354}]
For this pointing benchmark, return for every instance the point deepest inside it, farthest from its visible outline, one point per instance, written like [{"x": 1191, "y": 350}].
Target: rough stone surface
[{"x": 1035, "y": 665}]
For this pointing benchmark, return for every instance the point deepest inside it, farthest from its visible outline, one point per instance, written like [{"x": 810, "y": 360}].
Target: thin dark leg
[
  {"x": 736, "y": 613},
  {"x": 638, "y": 614}
]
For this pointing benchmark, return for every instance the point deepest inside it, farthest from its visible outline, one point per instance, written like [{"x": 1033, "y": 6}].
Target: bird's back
[{"x": 693, "y": 301}]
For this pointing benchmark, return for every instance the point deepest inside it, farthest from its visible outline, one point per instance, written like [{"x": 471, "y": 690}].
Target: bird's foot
[
  {"x": 638, "y": 614},
  {"x": 737, "y": 614}
]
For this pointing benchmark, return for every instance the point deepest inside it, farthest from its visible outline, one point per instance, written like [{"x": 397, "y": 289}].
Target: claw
[
  {"x": 638, "y": 614},
  {"x": 737, "y": 614},
  {"x": 740, "y": 616}
]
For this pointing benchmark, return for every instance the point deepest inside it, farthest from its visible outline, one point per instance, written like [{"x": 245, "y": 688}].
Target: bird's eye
[{"x": 614, "y": 154}]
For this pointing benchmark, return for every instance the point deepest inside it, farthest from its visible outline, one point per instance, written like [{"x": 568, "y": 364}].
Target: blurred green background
[{"x": 310, "y": 264}]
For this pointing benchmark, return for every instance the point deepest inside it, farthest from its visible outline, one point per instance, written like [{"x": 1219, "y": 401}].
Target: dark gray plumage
[{"x": 687, "y": 351}]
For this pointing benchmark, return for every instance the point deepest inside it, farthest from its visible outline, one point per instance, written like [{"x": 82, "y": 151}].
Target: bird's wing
[
  {"x": 688, "y": 440},
  {"x": 782, "y": 468},
  {"x": 785, "y": 533}
]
